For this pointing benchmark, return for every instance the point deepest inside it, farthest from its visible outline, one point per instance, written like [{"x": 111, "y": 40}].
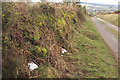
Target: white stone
[
  {"x": 63, "y": 50},
  {"x": 32, "y": 66},
  {"x": 61, "y": 55}
]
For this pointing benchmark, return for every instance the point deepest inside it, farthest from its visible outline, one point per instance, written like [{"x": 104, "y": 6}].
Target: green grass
[
  {"x": 94, "y": 58},
  {"x": 112, "y": 18}
]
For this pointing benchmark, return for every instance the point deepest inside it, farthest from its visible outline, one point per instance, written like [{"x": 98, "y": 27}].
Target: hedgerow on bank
[{"x": 37, "y": 33}]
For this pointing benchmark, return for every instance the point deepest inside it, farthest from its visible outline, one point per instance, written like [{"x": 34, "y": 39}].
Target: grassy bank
[
  {"x": 37, "y": 33},
  {"x": 112, "y": 18},
  {"x": 94, "y": 57}
]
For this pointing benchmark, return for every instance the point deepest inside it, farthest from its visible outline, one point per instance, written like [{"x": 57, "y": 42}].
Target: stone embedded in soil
[
  {"x": 32, "y": 66},
  {"x": 63, "y": 50}
]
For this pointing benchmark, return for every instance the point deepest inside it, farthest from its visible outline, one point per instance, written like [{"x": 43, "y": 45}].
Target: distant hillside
[
  {"x": 98, "y": 4},
  {"x": 94, "y": 8}
]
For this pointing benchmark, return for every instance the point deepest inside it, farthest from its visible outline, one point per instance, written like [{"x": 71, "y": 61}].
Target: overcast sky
[{"x": 114, "y": 2}]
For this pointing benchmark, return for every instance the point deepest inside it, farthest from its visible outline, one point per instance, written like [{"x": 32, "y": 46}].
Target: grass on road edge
[
  {"x": 112, "y": 18},
  {"x": 116, "y": 33},
  {"x": 93, "y": 56}
]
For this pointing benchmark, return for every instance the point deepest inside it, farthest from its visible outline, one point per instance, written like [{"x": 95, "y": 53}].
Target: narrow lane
[{"x": 108, "y": 36}]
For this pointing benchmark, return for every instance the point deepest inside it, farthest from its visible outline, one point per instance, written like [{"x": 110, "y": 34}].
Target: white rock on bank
[
  {"x": 61, "y": 55},
  {"x": 63, "y": 50},
  {"x": 32, "y": 66}
]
